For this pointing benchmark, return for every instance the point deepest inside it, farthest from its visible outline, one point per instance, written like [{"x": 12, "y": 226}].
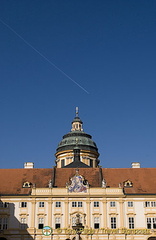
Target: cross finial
[{"x": 77, "y": 111}]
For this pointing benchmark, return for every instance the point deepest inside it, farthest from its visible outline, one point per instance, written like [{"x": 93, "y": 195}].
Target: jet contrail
[{"x": 43, "y": 56}]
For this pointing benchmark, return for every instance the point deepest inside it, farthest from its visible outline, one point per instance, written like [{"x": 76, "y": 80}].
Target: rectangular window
[
  {"x": 62, "y": 163},
  {"x": 112, "y": 204},
  {"x": 147, "y": 204},
  {"x": 58, "y": 204},
  {"x": 74, "y": 204},
  {"x": 57, "y": 222},
  {"x": 150, "y": 204},
  {"x": 23, "y": 223},
  {"x": 153, "y": 204},
  {"x": 91, "y": 163},
  {"x": 3, "y": 223},
  {"x": 79, "y": 204},
  {"x": 96, "y": 223},
  {"x": 113, "y": 222},
  {"x": 40, "y": 223},
  {"x": 96, "y": 204},
  {"x": 23, "y": 204},
  {"x": 130, "y": 204},
  {"x": 149, "y": 225},
  {"x": 154, "y": 223},
  {"x": 41, "y": 204},
  {"x": 4, "y": 204},
  {"x": 131, "y": 222}
]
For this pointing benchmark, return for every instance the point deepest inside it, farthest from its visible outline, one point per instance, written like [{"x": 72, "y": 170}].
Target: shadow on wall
[{"x": 10, "y": 227}]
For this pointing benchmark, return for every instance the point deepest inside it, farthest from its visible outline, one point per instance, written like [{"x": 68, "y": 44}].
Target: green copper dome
[{"x": 77, "y": 139}]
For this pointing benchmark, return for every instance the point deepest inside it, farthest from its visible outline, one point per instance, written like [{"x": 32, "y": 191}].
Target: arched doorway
[{"x": 152, "y": 238}]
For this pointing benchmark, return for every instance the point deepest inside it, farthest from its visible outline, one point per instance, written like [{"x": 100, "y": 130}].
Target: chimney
[
  {"x": 29, "y": 165},
  {"x": 135, "y": 165}
]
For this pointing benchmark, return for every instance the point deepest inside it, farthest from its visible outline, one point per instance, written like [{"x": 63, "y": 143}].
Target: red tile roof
[
  {"x": 143, "y": 179},
  {"x": 92, "y": 175},
  {"x": 11, "y": 180}
]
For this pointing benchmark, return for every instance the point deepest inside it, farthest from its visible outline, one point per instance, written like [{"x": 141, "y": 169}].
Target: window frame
[
  {"x": 147, "y": 204},
  {"x": 112, "y": 204},
  {"x": 153, "y": 204},
  {"x": 58, "y": 204},
  {"x": 23, "y": 204},
  {"x": 74, "y": 204},
  {"x": 113, "y": 222},
  {"x": 41, "y": 204},
  {"x": 130, "y": 204},
  {"x": 3, "y": 223},
  {"x": 57, "y": 222},
  {"x": 79, "y": 204},
  {"x": 40, "y": 222},
  {"x": 96, "y": 222},
  {"x": 151, "y": 222},
  {"x": 96, "y": 204},
  {"x": 23, "y": 223},
  {"x": 131, "y": 222}
]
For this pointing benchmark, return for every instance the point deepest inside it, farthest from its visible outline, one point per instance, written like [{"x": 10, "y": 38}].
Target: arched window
[{"x": 152, "y": 238}]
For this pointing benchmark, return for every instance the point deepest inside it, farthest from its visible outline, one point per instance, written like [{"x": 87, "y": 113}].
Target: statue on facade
[{"x": 103, "y": 183}]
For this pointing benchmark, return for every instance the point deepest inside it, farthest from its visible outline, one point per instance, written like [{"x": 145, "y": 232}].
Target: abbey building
[{"x": 114, "y": 204}]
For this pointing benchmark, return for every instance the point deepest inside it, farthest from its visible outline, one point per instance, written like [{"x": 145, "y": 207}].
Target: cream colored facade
[{"x": 105, "y": 214}]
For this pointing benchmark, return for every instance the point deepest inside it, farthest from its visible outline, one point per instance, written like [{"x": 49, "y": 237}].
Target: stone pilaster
[{"x": 104, "y": 202}]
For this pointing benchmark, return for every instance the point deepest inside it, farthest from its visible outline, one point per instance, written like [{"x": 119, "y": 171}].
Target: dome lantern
[{"x": 77, "y": 123}]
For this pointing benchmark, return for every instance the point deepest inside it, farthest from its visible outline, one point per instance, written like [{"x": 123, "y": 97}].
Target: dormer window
[
  {"x": 128, "y": 183},
  {"x": 26, "y": 185}
]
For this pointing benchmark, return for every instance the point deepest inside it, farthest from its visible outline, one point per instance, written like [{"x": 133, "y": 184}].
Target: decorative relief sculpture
[{"x": 77, "y": 184}]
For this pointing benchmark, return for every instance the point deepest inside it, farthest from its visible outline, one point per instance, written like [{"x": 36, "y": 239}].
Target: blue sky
[{"x": 107, "y": 47}]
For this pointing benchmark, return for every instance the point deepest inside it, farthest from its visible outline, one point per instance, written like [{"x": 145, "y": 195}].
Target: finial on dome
[
  {"x": 77, "y": 123},
  {"x": 77, "y": 111}
]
